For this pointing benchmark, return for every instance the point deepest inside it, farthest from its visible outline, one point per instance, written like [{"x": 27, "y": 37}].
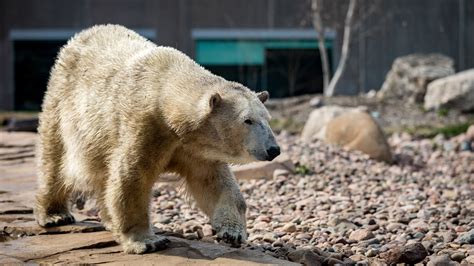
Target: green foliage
[
  {"x": 443, "y": 112},
  {"x": 290, "y": 125},
  {"x": 453, "y": 130},
  {"x": 302, "y": 169},
  {"x": 430, "y": 131}
]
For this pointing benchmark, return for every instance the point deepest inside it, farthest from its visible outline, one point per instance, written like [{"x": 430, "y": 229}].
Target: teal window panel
[
  {"x": 295, "y": 44},
  {"x": 243, "y": 52},
  {"x": 230, "y": 53}
]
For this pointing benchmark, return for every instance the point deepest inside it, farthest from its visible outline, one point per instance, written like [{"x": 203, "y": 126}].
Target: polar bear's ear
[
  {"x": 214, "y": 100},
  {"x": 263, "y": 96}
]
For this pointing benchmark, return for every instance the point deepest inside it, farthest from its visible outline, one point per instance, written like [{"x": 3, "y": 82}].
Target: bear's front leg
[
  {"x": 128, "y": 196},
  {"x": 217, "y": 193}
]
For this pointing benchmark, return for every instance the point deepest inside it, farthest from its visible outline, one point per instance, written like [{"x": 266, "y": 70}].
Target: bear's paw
[
  {"x": 233, "y": 234},
  {"x": 149, "y": 244}
]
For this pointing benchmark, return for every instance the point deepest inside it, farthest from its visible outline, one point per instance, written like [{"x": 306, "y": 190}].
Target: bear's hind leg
[{"x": 52, "y": 196}]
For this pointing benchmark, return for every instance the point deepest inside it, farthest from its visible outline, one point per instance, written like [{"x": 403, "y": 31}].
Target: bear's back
[{"x": 88, "y": 84}]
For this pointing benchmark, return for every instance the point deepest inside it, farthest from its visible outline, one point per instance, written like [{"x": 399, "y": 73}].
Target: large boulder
[
  {"x": 359, "y": 131},
  {"x": 456, "y": 92},
  {"x": 411, "y": 74},
  {"x": 315, "y": 126}
]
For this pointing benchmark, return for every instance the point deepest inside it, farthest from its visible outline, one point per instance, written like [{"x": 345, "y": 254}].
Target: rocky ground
[
  {"x": 342, "y": 207},
  {"x": 339, "y": 207}
]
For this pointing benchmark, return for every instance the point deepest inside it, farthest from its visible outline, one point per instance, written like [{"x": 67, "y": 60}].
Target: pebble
[
  {"x": 303, "y": 236},
  {"x": 162, "y": 219},
  {"x": 261, "y": 226},
  {"x": 394, "y": 227},
  {"x": 371, "y": 252},
  {"x": 361, "y": 234},
  {"x": 466, "y": 238},
  {"x": 207, "y": 230},
  {"x": 269, "y": 237},
  {"x": 280, "y": 173},
  {"x": 289, "y": 227},
  {"x": 441, "y": 260},
  {"x": 278, "y": 243},
  {"x": 470, "y": 259},
  {"x": 409, "y": 254},
  {"x": 418, "y": 235},
  {"x": 458, "y": 256}
]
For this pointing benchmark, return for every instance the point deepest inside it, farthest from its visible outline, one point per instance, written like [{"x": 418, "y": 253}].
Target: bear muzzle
[{"x": 273, "y": 152}]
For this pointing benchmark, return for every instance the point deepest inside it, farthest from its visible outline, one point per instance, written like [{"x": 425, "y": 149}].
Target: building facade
[{"x": 265, "y": 44}]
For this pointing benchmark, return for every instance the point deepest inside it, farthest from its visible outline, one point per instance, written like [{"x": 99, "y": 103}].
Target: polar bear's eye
[{"x": 248, "y": 121}]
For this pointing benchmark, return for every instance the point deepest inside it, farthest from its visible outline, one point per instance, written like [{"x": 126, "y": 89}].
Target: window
[{"x": 284, "y": 62}]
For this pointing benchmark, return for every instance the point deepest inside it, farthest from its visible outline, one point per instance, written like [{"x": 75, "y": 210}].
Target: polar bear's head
[{"x": 235, "y": 128}]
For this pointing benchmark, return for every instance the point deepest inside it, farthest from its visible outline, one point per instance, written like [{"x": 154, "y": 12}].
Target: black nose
[{"x": 273, "y": 152}]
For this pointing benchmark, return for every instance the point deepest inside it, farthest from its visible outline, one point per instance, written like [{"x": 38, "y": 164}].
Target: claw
[
  {"x": 58, "y": 220},
  {"x": 151, "y": 244}
]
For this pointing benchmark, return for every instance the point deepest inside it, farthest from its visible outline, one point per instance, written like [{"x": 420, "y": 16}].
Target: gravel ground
[{"x": 344, "y": 207}]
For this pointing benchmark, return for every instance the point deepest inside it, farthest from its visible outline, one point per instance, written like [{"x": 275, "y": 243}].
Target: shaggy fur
[{"x": 119, "y": 111}]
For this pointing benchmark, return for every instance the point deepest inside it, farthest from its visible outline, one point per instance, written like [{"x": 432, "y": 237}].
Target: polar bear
[{"x": 119, "y": 111}]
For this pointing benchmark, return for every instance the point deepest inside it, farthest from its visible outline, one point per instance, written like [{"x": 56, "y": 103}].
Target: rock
[
  {"x": 410, "y": 254},
  {"x": 6, "y": 260},
  {"x": 453, "y": 92},
  {"x": 450, "y": 194},
  {"x": 269, "y": 237},
  {"x": 418, "y": 235},
  {"x": 342, "y": 225},
  {"x": 100, "y": 247},
  {"x": 371, "y": 252},
  {"x": 470, "y": 259},
  {"x": 254, "y": 237},
  {"x": 22, "y": 228},
  {"x": 359, "y": 131},
  {"x": 162, "y": 219},
  {"x": 261, "y": 226},
  {"x": 41, "y": 246},
  {"x": 289, "y": 227},
  {"x": 315, "y": 126},
  {"x": 14, "y": 208},
  {"x": 393, "y": 227},
  {"x": 470, "y": 133},
  {"x": 361, "y": 234},
  {"x": 458, "y": 256},
  {"x": 447, "y": 236},
  {"x": 419, "y": 225},
  {"x": 207, "y": 230},
  {"x": 316, "y": 102},
  {"x": 371, "y": 94},
  {"x": 466, "y": 238},
  {"x": 303, "y": 236},
  {"x": 305, "y": 257},
  {"x": 278, "y": 243},
  {"x": 280, "y": 173},
  {"x": 259, "y": 170},
  {"x": 191, "y": 236},
  {"x": 357, "y": 257},
  {"x": 376, "y": 262},
  {"x": 441, "y": 260},
  {"x": 411, "y": 74}
]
